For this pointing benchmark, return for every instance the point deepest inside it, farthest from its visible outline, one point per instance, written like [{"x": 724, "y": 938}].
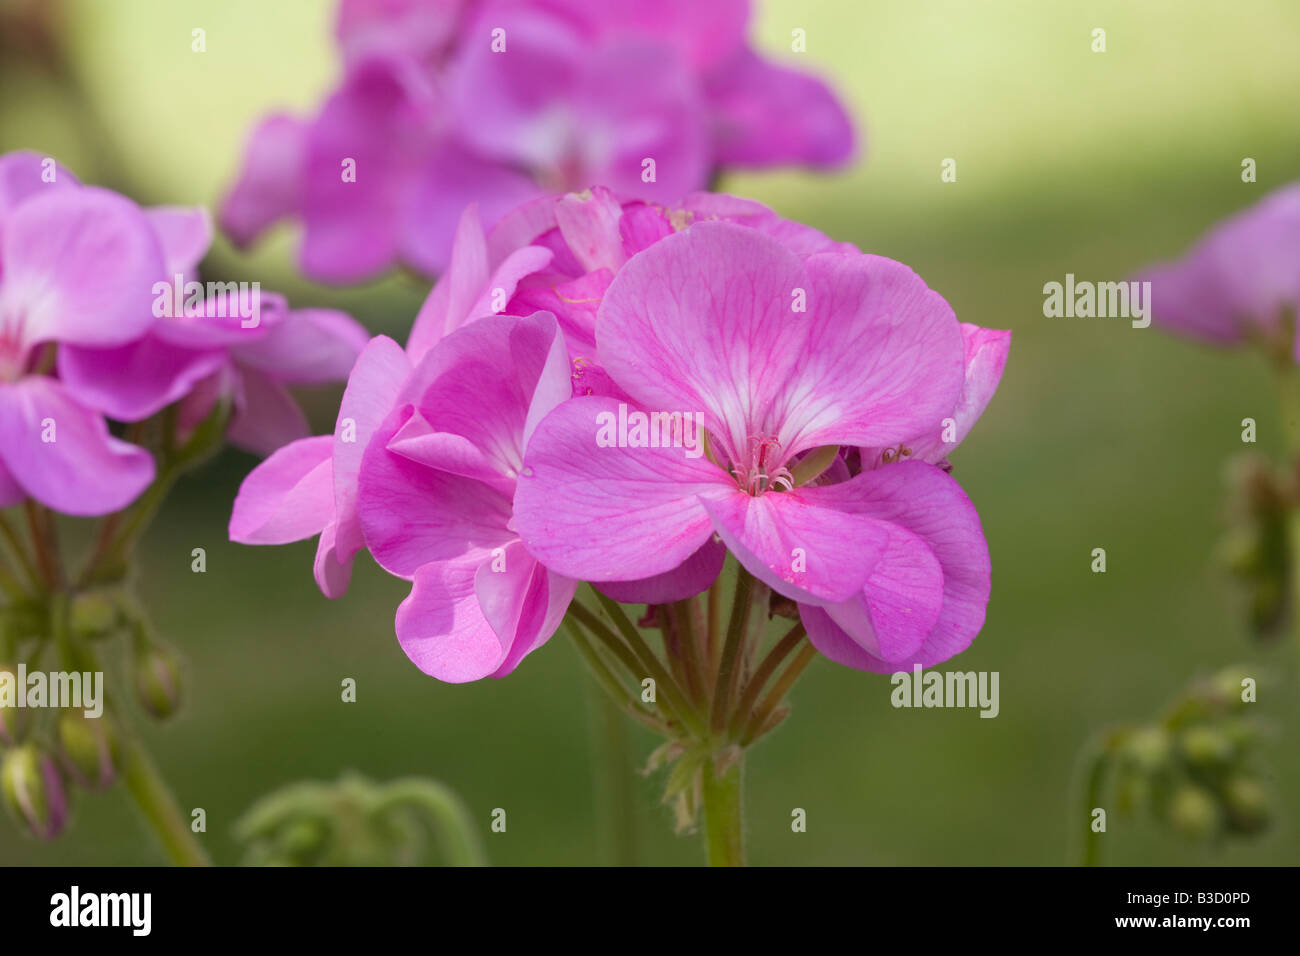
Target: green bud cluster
[
  {"x": 356, "y": 822},
  {"x": 1194, "y": 771}
]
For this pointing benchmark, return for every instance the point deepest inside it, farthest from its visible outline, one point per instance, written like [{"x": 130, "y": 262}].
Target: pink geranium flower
[
  {"x": 1241, "y": 280},
  {"x": 76, "y": 268},
  {"x": 309, "y": 487},
  {"x": 436, "y": 486},
  {"x": 498, "y": 101},
  {"x": 689, "y": 309},
  {"x": 231, "y": 347},
  {"x": 887, "y": 566}
]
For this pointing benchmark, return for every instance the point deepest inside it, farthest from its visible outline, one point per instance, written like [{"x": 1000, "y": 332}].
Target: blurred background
[{"x": 1100, "y": 436}]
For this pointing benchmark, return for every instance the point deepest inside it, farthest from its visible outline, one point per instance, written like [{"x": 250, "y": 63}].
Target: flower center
[{"x": 765, "y": 469}]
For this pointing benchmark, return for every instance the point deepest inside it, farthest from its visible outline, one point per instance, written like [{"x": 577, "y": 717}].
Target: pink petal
[
  {"x": 83, "y": 470},
  {"x": 136, "y": 380},
  {"x": 876, "y": 353},
  {"x": 609, "y": 513},
  {"x": 589, "y": 223},
  {"x": 415, "y": 28},
  {"x": 573, "y": 302},
  {"x": 767, "y": 115},
  {"x": 490, "y": 383},
  {"x": 332, "y": 570},
  {"x": 694, "y": 575},
  {"x": 412, "y": 515},
  {"x": 23, "y": 175},
  {"x": 269, "y": 185},
  {"x": 544, "y": 608},
  {"x": 287, "y": 497},
  {"x": 441, "y": 626},
  {"x": 927, "y": 502},
  {"x": 310, "y": 347},
  {"x": 266, "y": 416},
  {"x": 451, "y": 177},
  {"x": 79, "y": 267},
  {"x": 466, "y": 291},
  {"x": 705, "y": 33},
  {"x": 900, "y": 603},
  {"x": 185, "y": 233},
  {"x": 376, "y": 380},
  {"x": 986, "y": 356},
  {"x": 522, "y": 601},
  {"x": 381, "y": 120},
  {"x": 799, "y": 542}
]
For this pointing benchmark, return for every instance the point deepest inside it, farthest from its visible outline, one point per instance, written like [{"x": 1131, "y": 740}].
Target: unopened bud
[
  {"x": 1194, "y": 812},
  {"x": 33, "y": 791},
  {"x": 1207, "y": 747},
  {"x": 1147, "y": 749},
  {"x": 89, "y": 749},
  {"x": 1247, "y": 805},
  {"x": 158, "y": 680},
  {"x": 94, "y": 615}
]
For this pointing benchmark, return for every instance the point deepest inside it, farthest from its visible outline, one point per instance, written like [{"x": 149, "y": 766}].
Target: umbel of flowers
[
  {"x": 118, "y": 372},
  {"x": 606, "y": 402},
  {"x": 444, "y": 102}
]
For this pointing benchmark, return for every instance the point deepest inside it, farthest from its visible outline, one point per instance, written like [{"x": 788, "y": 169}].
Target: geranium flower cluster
[
  {"x": 101, "y": 318},
  {"x": 444, "y": 102},
  {"x": 606, "y": 390},
  {"x": 118, "y": 371}
]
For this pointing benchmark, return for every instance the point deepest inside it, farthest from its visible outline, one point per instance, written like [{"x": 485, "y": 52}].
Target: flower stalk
[
  {"x": 46, "y": 608},
  {"x": 709, "y": 707}
]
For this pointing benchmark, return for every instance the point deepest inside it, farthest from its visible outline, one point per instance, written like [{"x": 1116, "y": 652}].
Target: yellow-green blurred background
[{"x": 1100, "y": 436}]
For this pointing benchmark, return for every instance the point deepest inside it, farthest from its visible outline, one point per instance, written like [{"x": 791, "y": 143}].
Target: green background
[{"x": 1101, "y": 435}]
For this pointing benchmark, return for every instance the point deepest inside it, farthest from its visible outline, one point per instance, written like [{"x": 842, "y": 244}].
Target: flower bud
[
  {"x": 89, "y": 749},
  {"x": 1207, "y": 747},
  {"x": 1193, "y": 812},
  {"x": 33, "y": 791},
  {"x": 1247, "y": 805},
  {"x": 13, "y": 720},
  {"x": 1148, "y": 749},
  {"x": 1227, "y": 685},
  {"x": 158, "y": 680},
  {"x": 94, "y": 614}
]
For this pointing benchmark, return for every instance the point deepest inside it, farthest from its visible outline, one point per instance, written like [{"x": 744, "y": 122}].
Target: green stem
[
  {"x": 1096, "y": 781},
  {"x": 158, "y": 807},
  {"x": 721, "y": 796},
  {"x": 664, "y": 681},
  {"x": 1288, "y": 387},
  {"x": 777, "y": 694},
  {"x": 731, "y": 649},
  {"x": 682, "y": 614},
  {"x": 19, "y": 551},
  {"x": 453, "y": 827},
  {"x": 764, "y": 673},
  {"x": 614, "y": 689}
]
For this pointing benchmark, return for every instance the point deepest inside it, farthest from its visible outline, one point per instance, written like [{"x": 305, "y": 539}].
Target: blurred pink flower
[
  {"x": 497, "y": 101},
  {"x": 76, "y": 268},
  {"x": 100, "y": 316},
  {"x": 1241, "y": 279}
]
